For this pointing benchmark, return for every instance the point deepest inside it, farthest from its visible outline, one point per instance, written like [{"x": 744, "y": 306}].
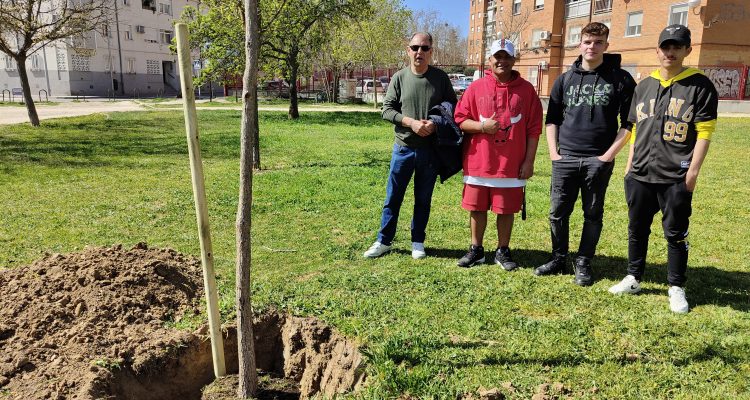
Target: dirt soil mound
[
  {"x": 100, "y": 324},
  {"x": 69, "y": 323}
]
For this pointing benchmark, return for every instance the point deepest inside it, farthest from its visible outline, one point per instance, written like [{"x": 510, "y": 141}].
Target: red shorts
[{"x": 502, "y": 200}]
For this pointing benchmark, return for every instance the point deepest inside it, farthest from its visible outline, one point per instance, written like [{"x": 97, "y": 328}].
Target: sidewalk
[{"x": 18, "y": 114}]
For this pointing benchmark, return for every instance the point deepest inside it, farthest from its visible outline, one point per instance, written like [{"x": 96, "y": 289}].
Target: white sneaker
[
  {"x": 376, "y": 250},
  {"x": 677, "y": 301},
  {"x": 629, "y": 285},
  {"x": 417, "y": 250}
]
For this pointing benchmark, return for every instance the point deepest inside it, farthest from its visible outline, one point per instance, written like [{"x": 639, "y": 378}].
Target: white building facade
[{"x": 128, "y": 56}]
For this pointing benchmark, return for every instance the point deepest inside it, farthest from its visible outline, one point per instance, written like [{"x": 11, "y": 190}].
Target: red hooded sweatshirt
[{"x": 515, "y": 104}]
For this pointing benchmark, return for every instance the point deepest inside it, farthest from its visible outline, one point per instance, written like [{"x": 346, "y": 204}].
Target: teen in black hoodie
[{"x": 584, "y": 136}]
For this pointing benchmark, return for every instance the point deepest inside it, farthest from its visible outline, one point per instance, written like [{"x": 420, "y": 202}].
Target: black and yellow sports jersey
[{"x": 669, "y": 117}]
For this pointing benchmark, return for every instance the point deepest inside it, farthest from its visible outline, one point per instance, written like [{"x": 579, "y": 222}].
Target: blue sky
[{"x": 456, "y": 12}]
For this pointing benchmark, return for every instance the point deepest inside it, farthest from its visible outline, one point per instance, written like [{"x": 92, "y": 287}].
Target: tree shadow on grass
[
  {"x": 353, "y": 118},
  {"x": 526, "y": 259},
  {"x": 122, "y": 140}
]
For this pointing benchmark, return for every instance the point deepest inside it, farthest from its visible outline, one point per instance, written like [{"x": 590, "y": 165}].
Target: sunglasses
[{"x": 415, "y": 47}]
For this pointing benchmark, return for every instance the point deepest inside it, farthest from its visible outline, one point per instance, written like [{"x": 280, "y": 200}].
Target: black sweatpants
[{"x": 644, "y": 201}]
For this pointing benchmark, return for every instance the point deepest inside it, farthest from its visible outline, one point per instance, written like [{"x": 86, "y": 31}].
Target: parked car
[
  {"x": 367, "y": 85},
  {"x": 276, "y": 87},
  {"x": 460, "y": 85}
]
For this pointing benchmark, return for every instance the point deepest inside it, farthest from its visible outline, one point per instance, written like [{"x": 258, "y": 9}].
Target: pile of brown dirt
[
  {"x": 69, "y": 323},
  {"x": 99, "y": 324}
]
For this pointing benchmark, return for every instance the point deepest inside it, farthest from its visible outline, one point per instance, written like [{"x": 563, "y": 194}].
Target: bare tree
[
  {"x": 510, "y": 25},
  {"x": 26, "y": 26},
  {"x": 248, "y": 379},
  {"x": 449, "y": 44}
]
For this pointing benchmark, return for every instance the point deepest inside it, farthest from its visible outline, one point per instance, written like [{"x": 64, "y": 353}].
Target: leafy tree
[
  {"x": 335, "y": 56},
  {"x": 289, "y": 36},
  {"x": 379, "y": 37},
  {"x": 288, "y": 30},
  {"x": 217, "y": 33},
  {"x": 26, "y": 26}
]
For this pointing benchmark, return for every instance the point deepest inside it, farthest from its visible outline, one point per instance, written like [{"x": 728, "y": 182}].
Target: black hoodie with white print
[{"x": 585, "y": 106}]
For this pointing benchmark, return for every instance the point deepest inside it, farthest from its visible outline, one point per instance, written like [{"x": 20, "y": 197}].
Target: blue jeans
[
  {"x": 405, "y": 162},
  {"x": 569, "y": 176}
]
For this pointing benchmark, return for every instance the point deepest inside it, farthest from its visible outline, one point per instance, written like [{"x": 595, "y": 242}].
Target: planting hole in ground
[{"x": 105, "y": 323}]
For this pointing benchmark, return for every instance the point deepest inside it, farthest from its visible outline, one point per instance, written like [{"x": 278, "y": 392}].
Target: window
[
  {"x": 106, "y": 31},
  {"x": 538, "y": 4},
  {"x": 678, "y": 14},
  {"x": 36, "y": 62},
  {"x": 607, "y": 22},
  {"x": 165, "y": 36},
  {"x": 635, "y": 22},
  {"x": 472, "y": 17},
  {"x": 126, "y": 2},
  {"x": 536, "y": 38},
  {"x": 602, "y": 6},
  {"x": 516, "y": 7},
  {"x": 109, "y": 63},
  {"x": 534, "y": 75},
  {"x": 165, "y": 8},
  {"x": 577, "y": 8},
  {"x": 129, "y": 33},
  {"x": 10, "y": 63},
  {"x": 574, "y": 36}
]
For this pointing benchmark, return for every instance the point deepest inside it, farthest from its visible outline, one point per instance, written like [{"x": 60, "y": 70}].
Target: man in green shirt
[{"x": 413, "y": 91}]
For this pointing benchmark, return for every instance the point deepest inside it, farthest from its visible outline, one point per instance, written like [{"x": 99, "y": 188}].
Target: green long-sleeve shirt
[{"x": 411, "y": 95}]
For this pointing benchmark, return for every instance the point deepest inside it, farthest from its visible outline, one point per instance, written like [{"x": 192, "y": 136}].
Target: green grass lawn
[
  {"x": 264, "y": 103},
  {"x": 428, "y": 328}
]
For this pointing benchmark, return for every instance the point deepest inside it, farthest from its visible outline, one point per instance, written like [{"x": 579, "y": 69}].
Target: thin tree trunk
[
  {"x": 30, "y": 106},
  {"x": 248, "y": 378},
  {"x": 293, "y": 71},
  {"x": 375, "y": 86}
]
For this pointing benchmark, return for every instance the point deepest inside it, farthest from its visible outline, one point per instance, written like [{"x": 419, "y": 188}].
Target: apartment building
[
  {"x": 547, "y": 34},
  {"x": 128, "y": 56}
]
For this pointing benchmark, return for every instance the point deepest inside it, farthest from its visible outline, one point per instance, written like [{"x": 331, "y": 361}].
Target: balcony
[
  {"x": 602, "y": 6},
  {"x": 578, "y": 8}
]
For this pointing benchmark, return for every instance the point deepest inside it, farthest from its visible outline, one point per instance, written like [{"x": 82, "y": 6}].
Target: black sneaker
[
  {"x": 473, "y": 257},
  {"x": 583, "y": 272},
  {"x": 554, "y": 266},
  {"x": 503, "y": 259}
]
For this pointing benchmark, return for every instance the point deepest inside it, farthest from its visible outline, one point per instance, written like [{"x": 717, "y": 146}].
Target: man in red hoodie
[{"x": 501, "y": 115}]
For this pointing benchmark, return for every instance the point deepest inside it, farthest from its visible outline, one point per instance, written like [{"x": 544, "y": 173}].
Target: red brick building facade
[{"x": 548, "y": 33}]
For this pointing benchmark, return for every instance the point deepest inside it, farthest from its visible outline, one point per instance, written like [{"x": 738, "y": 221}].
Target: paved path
[{"x": 15, "y": 115}]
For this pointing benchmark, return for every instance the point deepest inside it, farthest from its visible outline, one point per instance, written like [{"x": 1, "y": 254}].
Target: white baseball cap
[{"x": 504, "y": 45}]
